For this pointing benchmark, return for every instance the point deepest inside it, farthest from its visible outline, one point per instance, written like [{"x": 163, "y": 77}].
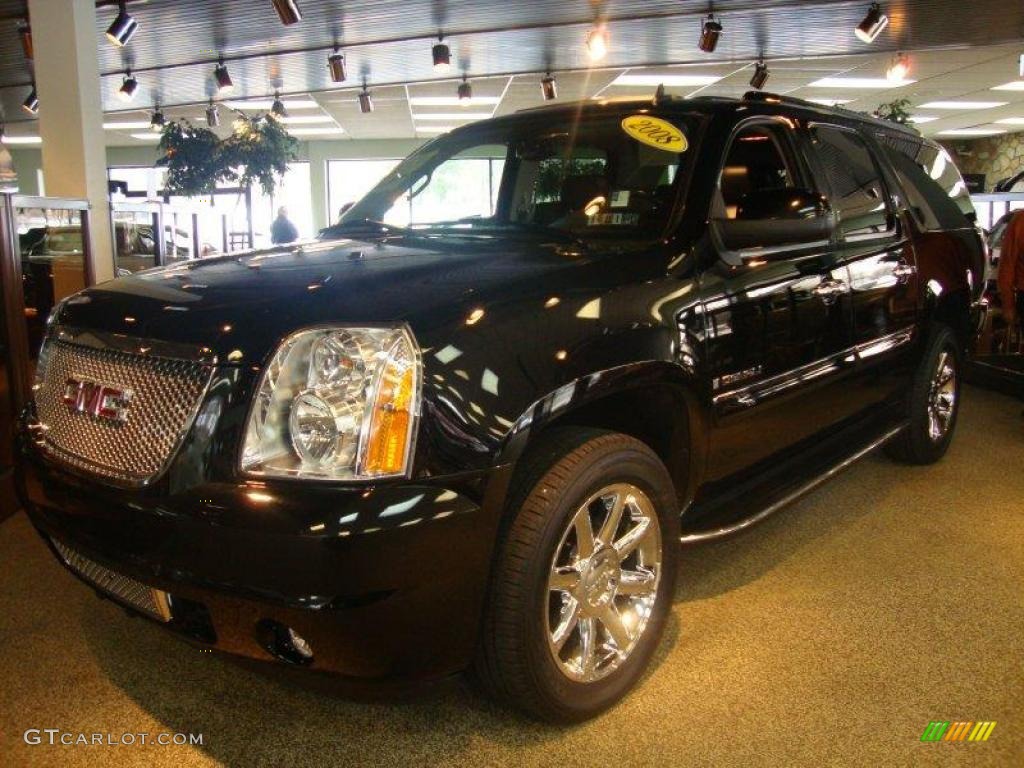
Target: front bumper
[{"x": 383, "y": 582}]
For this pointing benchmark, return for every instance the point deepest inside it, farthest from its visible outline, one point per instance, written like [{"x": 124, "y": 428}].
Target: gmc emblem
[{"x": 99, "y": 401}]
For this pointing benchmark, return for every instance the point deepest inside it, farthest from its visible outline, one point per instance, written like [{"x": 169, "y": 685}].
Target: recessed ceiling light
[
  {"x": 324, "y": 130},
  {"x": 133, "y": 125},
  {"x": 8, "y": 139},
  {"x": 453, "y": 116},
  {"x": 146, "y": 136},
  {"x": 449, "y": 101},
  {"x": 865, "y": 83},
  {"x": 972, "y": 132},
  {"x": 306, "y": 119},
  {"x": 434, "y": 128},
  {"x": 265, "y": 104},
  {"x": 1011, "y": 121},
  {"x": 830, "y": 102},
  {"x": 652, "y": 81},
  {"x": 1016, "y": 85},
  {"x": 922, "y": 118},
  {"x": 963, "y": 104}
]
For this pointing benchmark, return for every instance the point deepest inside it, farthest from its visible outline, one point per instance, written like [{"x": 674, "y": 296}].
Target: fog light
[{"x": 299, "y": 643}]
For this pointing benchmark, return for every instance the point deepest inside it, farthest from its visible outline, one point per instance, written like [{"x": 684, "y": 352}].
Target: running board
[{"x": 789, "y": 498}]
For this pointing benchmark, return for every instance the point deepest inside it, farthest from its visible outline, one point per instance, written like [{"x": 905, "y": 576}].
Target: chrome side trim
[{"x": 789, "y": 498}]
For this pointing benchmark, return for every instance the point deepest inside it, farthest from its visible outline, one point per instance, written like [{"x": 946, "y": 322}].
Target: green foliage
[
  {"x": 897, "y": 111},
  {"x": 258, "y": 150}
]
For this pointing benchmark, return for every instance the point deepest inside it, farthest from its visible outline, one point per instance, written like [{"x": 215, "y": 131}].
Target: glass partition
[{"x": 136, "y": 245}]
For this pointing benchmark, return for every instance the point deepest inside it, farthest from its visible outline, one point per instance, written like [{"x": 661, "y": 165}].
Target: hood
[{"x": 242, "y": 306}]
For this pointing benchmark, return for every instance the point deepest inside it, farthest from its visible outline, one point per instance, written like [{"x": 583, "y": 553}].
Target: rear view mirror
[{"x": 776, "y": 218}]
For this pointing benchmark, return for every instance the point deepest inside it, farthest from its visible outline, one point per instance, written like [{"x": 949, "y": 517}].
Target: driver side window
[{"x": 759, "y": 160}]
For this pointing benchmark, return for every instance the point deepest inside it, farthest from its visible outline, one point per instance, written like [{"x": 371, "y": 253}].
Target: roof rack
[{"x": 776, "y": 98}]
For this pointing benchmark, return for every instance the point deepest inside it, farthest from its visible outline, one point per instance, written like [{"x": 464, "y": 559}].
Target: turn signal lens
[{"x": 388, "y": 444}]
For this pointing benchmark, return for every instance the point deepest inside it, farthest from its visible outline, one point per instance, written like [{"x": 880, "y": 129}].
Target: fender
[{"x": 573, "y": 397}]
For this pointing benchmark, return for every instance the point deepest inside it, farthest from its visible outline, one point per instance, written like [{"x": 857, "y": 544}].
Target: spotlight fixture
[
  {"x": 710, "y": 31},
  {"x": 277, "y": 109},
  {"x": 465, "y": 92},
  {"x": 25, "y": 35},
  {"x": 223, "y": 78},
  {"x": 597, "y": 42},
  {"x": 157, "y": 121},
  {"x": 760, "y": 76},
  {"x": 442, "y": 56},
  {"x": 289, "y": 11},
  {"x": 212, "y": 115},
  {"x": 128, "y": 86},
  {"x": 336, "y": 64},
  {"x": 123, "y": 28},
  {"x": 31, "y": 102},
  {"x": 365, "y": 101},
  {"x": 548, "y": 87},
  {"x": 872, "y": 25},
  {"x": 899, "y": 69}
]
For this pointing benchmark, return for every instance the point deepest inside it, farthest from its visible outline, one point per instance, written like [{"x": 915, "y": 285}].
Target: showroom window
[{"x": 349, "y": 180}]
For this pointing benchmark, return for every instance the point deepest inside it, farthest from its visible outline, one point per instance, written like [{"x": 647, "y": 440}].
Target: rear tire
[
  {"x": 933, "y": 403},
  {"x": 584, "y": 576}
]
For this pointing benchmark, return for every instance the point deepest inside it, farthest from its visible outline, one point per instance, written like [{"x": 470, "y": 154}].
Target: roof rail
[{"x": 775, "y": 98}]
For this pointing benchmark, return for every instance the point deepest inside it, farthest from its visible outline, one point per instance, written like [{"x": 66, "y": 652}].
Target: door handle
[
  {"x": 830, "y": 289},
  {"x": 903, "y": 271}
]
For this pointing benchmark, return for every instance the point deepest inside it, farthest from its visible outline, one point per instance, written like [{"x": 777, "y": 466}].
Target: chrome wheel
[
  {"x": 603, "y": 582},
  {"x": 942, "y": 397}
]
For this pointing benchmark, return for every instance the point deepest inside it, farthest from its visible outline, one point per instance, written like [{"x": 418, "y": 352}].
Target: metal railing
[{"x": 991, "y": 206}]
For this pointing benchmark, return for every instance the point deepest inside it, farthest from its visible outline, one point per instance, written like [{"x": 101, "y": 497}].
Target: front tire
[
  {"x": 933, "y": 403},
  {"x": 584, "y": 576}
]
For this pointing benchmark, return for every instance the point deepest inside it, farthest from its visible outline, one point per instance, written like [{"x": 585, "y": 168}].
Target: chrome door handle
[
  {"x": 903, "y": 271},
  {"x": 830, "y": 289}
]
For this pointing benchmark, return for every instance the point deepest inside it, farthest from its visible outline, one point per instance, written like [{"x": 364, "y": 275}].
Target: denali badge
[{"x": 97, "y": 400}]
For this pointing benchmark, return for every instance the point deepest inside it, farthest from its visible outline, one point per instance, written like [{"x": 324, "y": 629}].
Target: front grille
[
  {"x": 165, "y": 396},
  {"x": 150, "y": 601}
]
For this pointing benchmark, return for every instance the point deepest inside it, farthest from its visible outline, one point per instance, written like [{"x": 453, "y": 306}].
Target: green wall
[{"x": 28, "y": 162}]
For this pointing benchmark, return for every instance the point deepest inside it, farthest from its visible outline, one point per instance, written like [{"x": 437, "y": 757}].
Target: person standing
[
  {"x": 282, "y": 230},
  {"x": 1011, "y": 273}
]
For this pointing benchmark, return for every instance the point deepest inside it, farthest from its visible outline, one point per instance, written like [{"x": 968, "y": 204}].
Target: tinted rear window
[{"x": 936, "y": 192}]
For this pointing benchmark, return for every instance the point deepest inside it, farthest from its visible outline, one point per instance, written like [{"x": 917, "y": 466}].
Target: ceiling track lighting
[
  {"x": 25, "y": 35},
  {"x": 365, "y": 101},
  {"x": 31, "y": 102},
  {"x": 442, "y": 56},
  {"x": 760, "y": 76},
  {"x": 336, "y": 65},
  {"x": 277, "y": 109},
  {"x": 549, "y": 87},
  {"x": 124, "y": 27},
  {"x": 223, "y": 78},
  {"x": 898, "y": 69},
  {"x": 598, "y": 42},
  {"x": 128, "y": 86},
  {"x": 465, "y": 92},
  {"x": 710, "y": 31},
  {"x": 289, "y": 11},
  {"x": 212, "y": 115},
  {"x": 157, "y": 121},
  {"x": 872, "y": 25}
]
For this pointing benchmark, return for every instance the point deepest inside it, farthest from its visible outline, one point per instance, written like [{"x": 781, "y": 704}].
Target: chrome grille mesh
[
  {"x": 128, "y": 590},
  {"x": 166, "y": 394}
]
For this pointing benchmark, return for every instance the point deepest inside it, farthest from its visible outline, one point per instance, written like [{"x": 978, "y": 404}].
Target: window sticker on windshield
[
  {"x": 655, "y": 132},
  {"x": 613, "y": 220},
  {"x": 620, "y": 199}
]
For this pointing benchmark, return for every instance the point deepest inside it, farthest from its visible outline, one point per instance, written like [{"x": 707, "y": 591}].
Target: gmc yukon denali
[{"x": 470, "y": 426}]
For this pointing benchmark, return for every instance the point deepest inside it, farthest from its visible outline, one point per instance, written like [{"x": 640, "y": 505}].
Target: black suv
[{"x": 469, "y": 426}]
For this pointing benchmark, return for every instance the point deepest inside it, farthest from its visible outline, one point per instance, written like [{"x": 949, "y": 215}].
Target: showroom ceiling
[{"x": 388, "y": 45}]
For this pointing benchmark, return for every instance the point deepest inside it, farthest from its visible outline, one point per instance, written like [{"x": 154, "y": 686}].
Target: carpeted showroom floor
[{"x": 832, "y": 634}]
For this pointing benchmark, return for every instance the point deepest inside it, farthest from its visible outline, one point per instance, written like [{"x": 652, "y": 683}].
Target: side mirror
[{"x": 771, "y": 219}]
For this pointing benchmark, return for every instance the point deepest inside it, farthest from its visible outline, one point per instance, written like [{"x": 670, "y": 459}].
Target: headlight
[{"x": 336, "y": 404}]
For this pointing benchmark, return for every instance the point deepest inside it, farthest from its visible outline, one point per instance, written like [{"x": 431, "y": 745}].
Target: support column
[{"x": 71, "y": 115}]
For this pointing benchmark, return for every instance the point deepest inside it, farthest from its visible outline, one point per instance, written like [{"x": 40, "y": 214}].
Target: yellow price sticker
[{"x": 655, "y": 132}]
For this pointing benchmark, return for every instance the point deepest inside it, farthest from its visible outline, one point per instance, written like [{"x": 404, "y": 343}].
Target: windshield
[{"x": 598, "y": 177}]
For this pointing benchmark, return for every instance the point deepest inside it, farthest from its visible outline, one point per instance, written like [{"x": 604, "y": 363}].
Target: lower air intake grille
[{"x": 150, "y": 601}]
